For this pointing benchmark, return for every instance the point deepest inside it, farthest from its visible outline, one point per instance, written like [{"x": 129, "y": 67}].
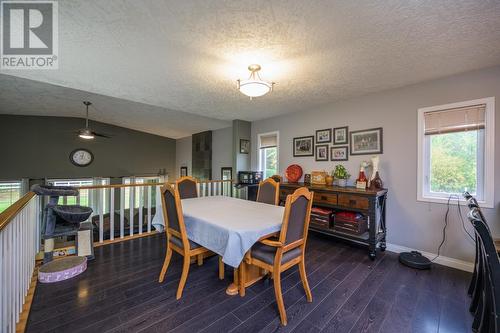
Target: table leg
[{"x": 244, "y": 276}]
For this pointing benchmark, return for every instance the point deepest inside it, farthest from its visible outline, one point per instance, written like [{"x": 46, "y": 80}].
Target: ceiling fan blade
[{"x": 102, "y": 135}]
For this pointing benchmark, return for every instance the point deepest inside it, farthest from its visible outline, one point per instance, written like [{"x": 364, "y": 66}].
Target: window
[
  {"x": 456, "y": 151},
  {"x": 268, "y": 153},
  {"x": 137, "y": 197},
  {"x": 10, "y": 192},
  {"x": 86, "y": 197}
]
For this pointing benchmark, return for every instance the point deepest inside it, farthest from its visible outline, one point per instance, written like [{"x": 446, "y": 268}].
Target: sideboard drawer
[
  {"x": 327, "y": 198},
  {"x": 353, "y": 201},
  {"x": 284, "y": 192}
]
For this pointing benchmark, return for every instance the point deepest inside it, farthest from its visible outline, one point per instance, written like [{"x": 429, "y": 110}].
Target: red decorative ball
[{"x": 293, "y": 173}]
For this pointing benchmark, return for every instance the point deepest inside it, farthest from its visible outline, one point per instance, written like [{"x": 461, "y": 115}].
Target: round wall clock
[{"x": 81, "y": 157}]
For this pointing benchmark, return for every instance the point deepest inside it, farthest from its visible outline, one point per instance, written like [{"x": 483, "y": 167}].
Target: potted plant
[{"x": 340, "y": 173}]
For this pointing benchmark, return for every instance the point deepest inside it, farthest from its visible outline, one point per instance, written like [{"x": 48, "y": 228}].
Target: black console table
[{"x": 369, "y": 203}]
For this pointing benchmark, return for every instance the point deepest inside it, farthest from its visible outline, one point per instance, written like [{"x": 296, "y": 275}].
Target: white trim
[
  {"x": 489, "y": 150},
  {"x": 442, "y": 260},
  {"x": 277, "y": 149}
]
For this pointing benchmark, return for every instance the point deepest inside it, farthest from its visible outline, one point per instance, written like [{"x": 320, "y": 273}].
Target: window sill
[{"x": 444, "y": 201}]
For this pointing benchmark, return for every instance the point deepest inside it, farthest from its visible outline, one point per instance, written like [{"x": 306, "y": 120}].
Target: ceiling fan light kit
[
  {"x": 87, "y": 133},
  {"x": 254, "y": 86}
]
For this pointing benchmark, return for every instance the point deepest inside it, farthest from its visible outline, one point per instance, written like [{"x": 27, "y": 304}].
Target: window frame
[
  {"x": 260, "y": 151},
  {"x": 423, "y": 157}
]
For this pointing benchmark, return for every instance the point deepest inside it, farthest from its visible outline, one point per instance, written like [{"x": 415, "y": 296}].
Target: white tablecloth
[{"x": 229, "y": 226}]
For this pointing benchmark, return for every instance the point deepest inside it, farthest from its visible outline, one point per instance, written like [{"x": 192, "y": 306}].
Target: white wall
[
  {"x": 410, "y": 223},
  {"x": 222, "y": 150}
]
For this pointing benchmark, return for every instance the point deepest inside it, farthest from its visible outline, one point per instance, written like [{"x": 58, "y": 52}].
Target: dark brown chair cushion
[
  {"x": 267, "y": 193},
  {"x": 173, "y": 220},
  {"x": 266, "y": 253},
  {"x": 187, "y": 189},
  {"x": 178, "y": 242}
]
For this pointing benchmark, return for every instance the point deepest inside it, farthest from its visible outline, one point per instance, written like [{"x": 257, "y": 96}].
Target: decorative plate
[{"x": 293, "y": 173}]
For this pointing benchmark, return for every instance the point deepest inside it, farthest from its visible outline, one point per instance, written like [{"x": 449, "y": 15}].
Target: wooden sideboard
[{"x": 369, "y": 203}]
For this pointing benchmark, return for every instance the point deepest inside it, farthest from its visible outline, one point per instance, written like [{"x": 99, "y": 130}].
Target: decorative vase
[
  {"x": 342, "y": 182},
  {"x": 376, "y": 183},
  {"x": 329, "y": 180}
]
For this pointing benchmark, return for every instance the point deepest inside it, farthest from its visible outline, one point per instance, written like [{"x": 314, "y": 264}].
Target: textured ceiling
[{"x": 186, "y": 55}]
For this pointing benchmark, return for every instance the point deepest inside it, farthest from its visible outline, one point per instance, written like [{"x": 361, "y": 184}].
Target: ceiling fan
[{"x": 87, "y": 133}]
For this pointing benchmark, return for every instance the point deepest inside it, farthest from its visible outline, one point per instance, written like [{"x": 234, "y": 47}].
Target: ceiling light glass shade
[
  {"x": 86, "y": 134},
  {"x": 254, "y": 86}
]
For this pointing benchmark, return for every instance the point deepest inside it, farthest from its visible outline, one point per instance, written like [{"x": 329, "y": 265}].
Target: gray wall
[
  {"x": 241, "y": 130},
  {"x": 183, "y": 155},
  {"x": 222, "y": 146},
  {"x": 38, "y": 147},
  {"x": 410, "y": 223},
  {"x": 222, "y": 152}
]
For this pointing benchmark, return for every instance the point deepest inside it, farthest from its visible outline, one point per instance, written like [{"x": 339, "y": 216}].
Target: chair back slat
[
  {"x": 187, "y": 187},
  {"x": 297, "y": 214},
  {"x": 172, "y": 212},
  {"x": 268, "y": 192}
]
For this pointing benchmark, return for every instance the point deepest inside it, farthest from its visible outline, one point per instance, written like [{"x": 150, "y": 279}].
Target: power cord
[{"x": 459, "y": 212}]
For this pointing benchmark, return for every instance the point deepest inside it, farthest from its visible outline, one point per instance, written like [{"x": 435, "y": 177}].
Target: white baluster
[
  {"x": 150, "y": 190},
  {"x": 100, "y": 195},
  {"x": 198, "y": 189},
  {"x": 122, "y": 212},
  {"x": 131, "y": 210},
  {"x": 141, "y": 205},
  {"x": 78, "y": 198},
  {"x": 112, "y": 213}
]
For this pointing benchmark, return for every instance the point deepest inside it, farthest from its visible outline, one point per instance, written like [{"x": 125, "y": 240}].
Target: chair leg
[
  {"x": 221, "y": 268},
  {"x": 303, "y": 277},
  {"x": 279, "y": 297},
  {"x": 168, "y": 256},
  {"x": 200, "y": 259},
  {"x": 184, "y": 275}
]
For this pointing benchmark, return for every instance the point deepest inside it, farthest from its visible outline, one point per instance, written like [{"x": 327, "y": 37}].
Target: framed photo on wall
[
  {"x": 303, "y": 146},
  {"x": 339, "y": 153},
  {"x": 184, "y": 171},
  {"x": 244, "y": 146},
  {"x": 367, "y": 142},
  {"x": 324, "y": 135},
  {"x": 340, "y": 135},
  {"x": 321, "y": 152}
]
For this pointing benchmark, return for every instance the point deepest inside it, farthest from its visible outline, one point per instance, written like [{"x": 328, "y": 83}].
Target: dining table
[{"x": 229, "y": 227}]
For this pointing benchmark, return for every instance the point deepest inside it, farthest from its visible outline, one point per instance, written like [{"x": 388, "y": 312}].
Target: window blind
[
  {"x": 268, "y": 141},
  {"x": 455, "y": 120}
]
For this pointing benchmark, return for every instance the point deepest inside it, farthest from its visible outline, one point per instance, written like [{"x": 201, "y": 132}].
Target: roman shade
[
  {"x": 268, "y": 141},
  {"x": 455, "y": 120}
]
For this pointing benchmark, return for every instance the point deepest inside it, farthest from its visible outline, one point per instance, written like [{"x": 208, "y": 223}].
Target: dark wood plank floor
[{"x": 119, "y": 292}]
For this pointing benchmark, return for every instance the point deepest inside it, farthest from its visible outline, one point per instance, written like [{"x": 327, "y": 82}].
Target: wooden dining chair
[
  {"x": 177, "y": 239},
  {"x": 269, "y": 192},
  {"x": 276, "y": 255},
  {"x": 187, "y": 187}
]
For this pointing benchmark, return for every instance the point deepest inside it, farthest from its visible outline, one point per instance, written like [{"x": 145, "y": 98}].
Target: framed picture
[
  {"x": 321, "y": 152},
  {"x": 244, "y": 146},
  {"x": 303, "y": 146},
  {"x": 318, "y": 177},
  {"x": 226, "y": 173},
  {"x": 324, "y": 136},
  {"x": 367, "y": 142},
  {"x": 339, "y": 153},
  {"x": 340, "y": 135},
  {"x": 184, "y": 171}
]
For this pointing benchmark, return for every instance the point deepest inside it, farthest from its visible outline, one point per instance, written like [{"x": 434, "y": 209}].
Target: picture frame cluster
[{"x": 360, "y": 142}]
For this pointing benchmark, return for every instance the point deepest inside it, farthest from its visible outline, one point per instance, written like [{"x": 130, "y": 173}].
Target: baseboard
[{"x": 442, "y": 260}]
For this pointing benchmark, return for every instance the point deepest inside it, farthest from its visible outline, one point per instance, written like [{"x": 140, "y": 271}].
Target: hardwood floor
[{"x": 120, "y": 292}]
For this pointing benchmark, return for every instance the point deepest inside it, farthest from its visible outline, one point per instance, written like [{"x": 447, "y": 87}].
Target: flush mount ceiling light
[{"x": 254, "y": 86}]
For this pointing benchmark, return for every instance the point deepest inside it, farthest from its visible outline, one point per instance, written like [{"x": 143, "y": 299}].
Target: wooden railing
[
  {"x": 20, "y": 234},
  {"x": 19, "y": 244},
  {"x": 127, "y": 210}
]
